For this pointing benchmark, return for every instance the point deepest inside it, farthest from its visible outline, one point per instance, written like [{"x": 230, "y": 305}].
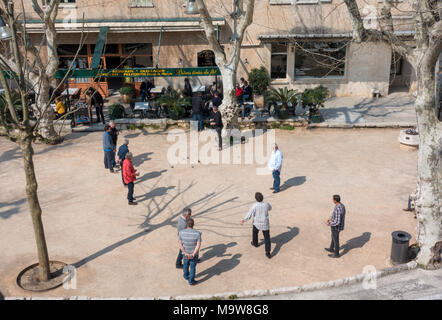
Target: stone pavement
[
  {"x": 411, "y": 285},
  {"x": 397, "y": 109}
]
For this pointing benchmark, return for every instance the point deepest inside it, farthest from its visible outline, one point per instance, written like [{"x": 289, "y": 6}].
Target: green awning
[{"x": 99, "y": 46}]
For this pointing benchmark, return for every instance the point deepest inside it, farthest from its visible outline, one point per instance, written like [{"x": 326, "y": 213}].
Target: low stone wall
[{"x": 253, "y": 293}]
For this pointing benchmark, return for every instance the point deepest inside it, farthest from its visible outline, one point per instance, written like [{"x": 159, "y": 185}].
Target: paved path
[
  {"x": 397, "y": 109},
  {"x": 415, "y": 284}
]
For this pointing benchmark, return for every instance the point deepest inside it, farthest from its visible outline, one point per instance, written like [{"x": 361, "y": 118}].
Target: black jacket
[
  {"x": 217, "y": 101},
  {"x": 217, "y": 119},
  {"x": 197, "y": 104}
]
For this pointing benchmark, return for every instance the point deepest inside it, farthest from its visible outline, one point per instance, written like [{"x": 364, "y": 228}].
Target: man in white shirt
[
  {"x": 260, "y": 213},
  {"x": 275, "y": 165}
]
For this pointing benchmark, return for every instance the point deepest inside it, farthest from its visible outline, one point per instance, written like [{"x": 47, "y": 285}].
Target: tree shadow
[
  {"x": 11, "y": 211},
  {"x": 283, "y": 238},
  {"x": 217, "y": 250},
  {"x": 150, "y": 175},
  {"x": 357, "y": 242},
  {"x": 294, "y": 182},
  {"x": 222, "y": 266},
  {"x": 141, "y": 158},
  {"x": 10, "y": 154},
  {"x": 110, "y": 248}
]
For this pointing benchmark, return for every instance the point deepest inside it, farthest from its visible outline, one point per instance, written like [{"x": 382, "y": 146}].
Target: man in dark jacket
[
  {"x": 145, "y": 88},
  {"x": 217, "y": 123},
  {"x": 108, "y": 148},
  {"x": 114, "y": 134},
  {"x": 96, "y": 100},
  {"x": 197, "y": 111},
  {"x": 217, "y": 101}
]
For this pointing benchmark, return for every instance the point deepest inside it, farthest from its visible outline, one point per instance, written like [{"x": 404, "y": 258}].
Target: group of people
[
  {"x": 189, "y": 239},
  {"x": 123, "y": 161},
  {"x": 244, "y": 94}
]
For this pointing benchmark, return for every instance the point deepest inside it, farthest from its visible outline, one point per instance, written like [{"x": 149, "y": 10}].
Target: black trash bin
[{"x": 399, "y": 247}]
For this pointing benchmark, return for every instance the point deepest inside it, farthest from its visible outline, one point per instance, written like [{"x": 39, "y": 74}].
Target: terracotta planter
[
  {"x": 127, "y": 99},
  {"x": 259, "y": 101}
]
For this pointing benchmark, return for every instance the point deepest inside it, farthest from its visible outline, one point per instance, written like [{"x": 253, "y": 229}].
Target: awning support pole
[{"x": 159, "y": 46}]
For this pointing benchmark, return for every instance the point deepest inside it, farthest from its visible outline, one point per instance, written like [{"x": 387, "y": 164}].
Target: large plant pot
[
  {"x": 283, "y": 114},
  {"x": 127, "y": 99},
  {"x": 258, "y": 101}
]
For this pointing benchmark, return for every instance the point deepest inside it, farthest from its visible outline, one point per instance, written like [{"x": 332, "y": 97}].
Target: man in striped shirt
[
  {"x": 181, "y": 225},
  {"x": 260, "y": 213},
  {"x": 190, "y": 244},
  {"x": 336, "y": 223}
]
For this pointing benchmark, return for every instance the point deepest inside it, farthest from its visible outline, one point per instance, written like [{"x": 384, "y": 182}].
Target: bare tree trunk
[
  {"x": 34, "y": 205},
  {"x": 428, "y": 206},
  {"x": 46, "y": 118},
  {"x": 229, "y": 108}
]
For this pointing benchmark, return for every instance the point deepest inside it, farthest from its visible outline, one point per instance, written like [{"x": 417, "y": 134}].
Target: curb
[{"x": 254, "y": 293}]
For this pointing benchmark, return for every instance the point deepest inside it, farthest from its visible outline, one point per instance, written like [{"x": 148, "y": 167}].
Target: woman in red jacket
[{"x": 129, "y": 176}]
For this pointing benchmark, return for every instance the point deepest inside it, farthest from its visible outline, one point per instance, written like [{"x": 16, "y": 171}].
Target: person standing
[
  {"x": 197, "y": 110},
  {"x": 275, "y": 165},
  {"x": 260, "y": 213},
  {"x": 145, "y": 89},
  {"x": 187, "y": 92},
  {"x": 189, "y": 241},
  {"x": 181, "y": 225},
  {"x": 217, "y": 101},
  {"x": 129, "y": 176},
  {"x": 122, "y": 151},
  {"x": 96, "y": 100},
  {"x": 336, "y": 224},
  {"x": 109, "y": 149},
  {"x": 114, "y": 134},
  {"x": 217, "y": 123}
]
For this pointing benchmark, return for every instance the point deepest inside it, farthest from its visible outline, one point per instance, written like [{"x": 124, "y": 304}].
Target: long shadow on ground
[
  {"x": 221, "y": 267},
  {"x": 355, "y": 243}
]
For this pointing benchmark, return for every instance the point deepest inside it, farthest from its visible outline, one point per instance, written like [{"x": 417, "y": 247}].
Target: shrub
[
  {"x": 282, "y": 95},
  {"x": 259, "y": 80},
  {"x": 315, "y": 98},
  {"x": 174, "y": 101},
  {"x": 116, "y": 111},
  {"x": 127, "y": 90}
]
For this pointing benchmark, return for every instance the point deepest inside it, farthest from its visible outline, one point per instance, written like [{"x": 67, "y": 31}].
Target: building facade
[{"x": 302, "y": 43}]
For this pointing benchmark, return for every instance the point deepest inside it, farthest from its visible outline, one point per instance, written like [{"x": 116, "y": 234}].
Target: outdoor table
[
  {"x": 82, "y": 113},
  {"x": 142, "y": 107},
  {"x": 157, "y": 90},
  {"x": 199, "y": 89}
]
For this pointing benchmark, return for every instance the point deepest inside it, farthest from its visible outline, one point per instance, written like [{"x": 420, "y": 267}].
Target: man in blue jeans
[
  {"x": 181, "y": 225},
  {"x": 197, "y": 111},
  {"x": 109, "y": 149},
  {"x": 275, "y": 165},
  {"x": 190, "y": 244}
]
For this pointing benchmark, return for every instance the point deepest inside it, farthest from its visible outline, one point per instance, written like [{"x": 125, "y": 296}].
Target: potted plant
[
  {"x": 116, "y": 111},
  {"x": 16, "y": 102},
  {"x": 314, "y": 99},
  {"x": 175, "y": 103},
  {"x": 127, "y": 94},
  {"x": 259, "y": 82},
  {"x": 284, "y": 96}
]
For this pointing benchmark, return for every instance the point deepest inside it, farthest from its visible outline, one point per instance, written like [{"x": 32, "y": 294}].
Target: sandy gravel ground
[{"x": 124, "y": 251}]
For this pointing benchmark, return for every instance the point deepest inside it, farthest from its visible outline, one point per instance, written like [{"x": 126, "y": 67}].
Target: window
[
  {"x": 71, "y": 49},
  {"x": 279, "y": 61},
  {"x": 141, "y": 3},
  {"x": 108, "y": 48},
  {"x": 320, "y": 59},
  {"x": 139, "y": 55},
  {"x": 206, "y": 58}
]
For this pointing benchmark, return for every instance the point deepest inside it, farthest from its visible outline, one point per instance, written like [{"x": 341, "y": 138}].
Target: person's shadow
[
  {"x": 222, "y": 266},
  {"x": 158, "y": 192},
  {"x": 139, "y": 159},
  {"x": 357, "y": 242},
  {"x": 293, "y": 182},
  {"x": 283, "y": 238},
  {"x": 217, "y": 250},
  {"x": 150, "y": 175}
]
